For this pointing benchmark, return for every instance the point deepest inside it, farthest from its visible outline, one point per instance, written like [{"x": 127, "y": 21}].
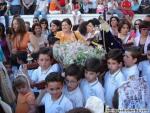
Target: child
[
  {"x": 46, "y": 66},
  {"x": 52, "y": 97},
  {"x": 72, "y": 90},
  {"x": 90, "y": 86},
  {"x": 41, "y": 8},
  {"x": 144, "y": 66},
  {"x": 130, "y": 59},
  {"x": 26, "y": 99},
  {"x": 114, "y": 77},
  {"x": 76, "y": 11},
  {"x": 100, "y": 7}
]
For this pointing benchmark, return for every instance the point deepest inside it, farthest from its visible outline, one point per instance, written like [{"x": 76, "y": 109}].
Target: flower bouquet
[{"x": 76, "y": 52}]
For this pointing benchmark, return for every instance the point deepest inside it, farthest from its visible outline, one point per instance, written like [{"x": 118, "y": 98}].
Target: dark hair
[
  {"x": 46, "y": 51},
  {"x": 21, "y": 27},
  {"x": 115, "y": 54},
  {"x": 44, "y": 20},
  {"x": 22, "y": 56},
  {"x": 144, "y": 24},
  {"x": 34, "y": 25},
  {"x": 92, "y": 22},
  {"x": 83, "y": 28},
  {"x": 54, "y": 77},
  {"x": 2, "y": 31},
  {"x": 57, "y": 23},
  {"x": 79, "y": 110},
  {"x": 93, "y": 64},
  {"x": 122, "y": 23},
  {"x": 135, "y": 51},
  {"x": 67, "y": 20},
  {"x": 112, "y": 18},
  {"x": 75, "y": 27},
  {"x": 21, "y": 80},
  {"x": 73, "y": 70}
]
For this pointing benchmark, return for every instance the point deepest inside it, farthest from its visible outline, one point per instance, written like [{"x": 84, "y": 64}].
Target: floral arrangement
[{"x": 76, "y": 52}]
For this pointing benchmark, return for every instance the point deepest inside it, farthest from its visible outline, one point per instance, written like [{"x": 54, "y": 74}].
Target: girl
[{"x": 26, "y": 99}]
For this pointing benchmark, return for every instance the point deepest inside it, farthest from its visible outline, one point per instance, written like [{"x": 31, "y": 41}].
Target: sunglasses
[{"x": 136, "y": 24}]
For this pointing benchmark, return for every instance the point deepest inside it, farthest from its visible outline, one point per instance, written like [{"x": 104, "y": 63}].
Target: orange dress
[
  {"x": 24, "y": 101},
  {"x": 23, "y": 44},
  {"x": 64, "y": 38}
]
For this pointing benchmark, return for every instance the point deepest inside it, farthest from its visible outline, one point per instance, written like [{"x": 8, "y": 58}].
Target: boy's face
[
  {"x": 55, "y": 89},
  {"x": 71, "y": 82},
  {"x": 128, "y": 59},
  {"x": 113, "y": 65},
  {"x": 44, "y": 61},
  {"x": 90, "y": 76},
  {"x": 148, "y": 54},
  {"x": 23, "y": 89}
]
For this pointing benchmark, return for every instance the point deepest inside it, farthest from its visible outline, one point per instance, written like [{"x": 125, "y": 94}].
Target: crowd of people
[{"x": 32, "y": 80}]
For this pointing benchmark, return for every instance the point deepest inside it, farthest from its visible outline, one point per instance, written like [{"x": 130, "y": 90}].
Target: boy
[
  {"x": 130, "y": 59},
  {"x": 114, "y": 77},
  {"x": 72, "y": 90},
  {"x": 46, "y": 66},
  {"x": 52, "y": 97},
  {"x": 90, "y": 86},
  {"x": 144, "y": 66}
]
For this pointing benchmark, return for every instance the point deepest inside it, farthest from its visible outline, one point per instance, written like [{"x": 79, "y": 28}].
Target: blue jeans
[{"x": 38, "y": 13}]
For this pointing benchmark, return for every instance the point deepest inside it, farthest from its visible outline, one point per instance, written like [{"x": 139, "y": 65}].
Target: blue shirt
[{"x": 75, "y": 97}]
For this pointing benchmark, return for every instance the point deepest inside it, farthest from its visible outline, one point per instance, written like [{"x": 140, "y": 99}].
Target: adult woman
[
  {"x": 20, "y": 37},
  {"x": 44, "y": 25},
  {"x": 124, "y": 32},
  {"x": 3, "y": 42},
  {"x": 39, "y": 40},
  {"x": 67, "y": 35},
  {"x": 144, "y": 38},
  {"x": 55, "y": 26},
  {"x": 137, "y": 23},
  {"x": 114, "y": 25}
]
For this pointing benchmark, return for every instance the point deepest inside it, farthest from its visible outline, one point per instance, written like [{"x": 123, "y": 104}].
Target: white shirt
[
  {"x": 92, "y": 89},
  {"x": 40, "y": 75},
  {"x": 144, "y": 68},
  {"x": 75, "y": 97},
  {"x": 130, "y": 71},
  {"x": 42, "y": 5},
  {"x": 111, "y": 83},
  {"x": 62, "y": 105}
]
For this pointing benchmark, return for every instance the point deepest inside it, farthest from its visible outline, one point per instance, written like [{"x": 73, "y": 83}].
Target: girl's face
[
  {"x": 128, "y": 59},
  {"x": 137, "y": 24},
  {"x": 15, "y": 25},
  {"x": 114, "y": 22},
  {"x": 43, "y": 25},
  {"x": 125, "y": 29},
  {"x": 54, "y": 27},
  {"x": 65, "y": 27},
  {"x": 55, "y": 89},
  {"x": 144, "y": 31},
  {"x": 38, "y": 30},
  {"x": 23, "y": 89},
  {"x": 44, "y": 61},
  {"x": 71, "y": 82},
  {"x": 90, "y": 28}
]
